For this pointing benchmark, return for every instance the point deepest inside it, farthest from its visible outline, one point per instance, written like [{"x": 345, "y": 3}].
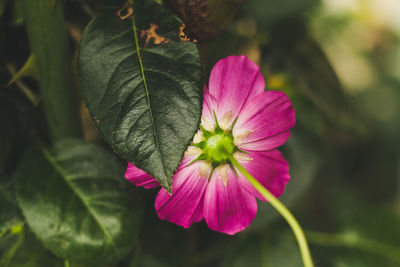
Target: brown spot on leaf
[
  {"x": 182, "y": 35},
  {"x": 125, "y": 12},
  {"x": 151, "y": 33}
]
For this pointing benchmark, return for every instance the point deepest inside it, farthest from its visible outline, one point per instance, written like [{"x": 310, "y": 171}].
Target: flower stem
[{"x": 291, "y": 220}]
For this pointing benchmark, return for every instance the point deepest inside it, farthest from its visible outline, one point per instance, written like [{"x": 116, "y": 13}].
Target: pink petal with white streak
[
  {"x": 233, "y": 81},
  {"x": 268, "y": 119},
  {"x": 183, "y": 206},
  {"x": 228, "y": 207},
  {"x": 141, "y": 178},
  {"x": 268, "y": 167},
  {"x": 209, "y": 105}
]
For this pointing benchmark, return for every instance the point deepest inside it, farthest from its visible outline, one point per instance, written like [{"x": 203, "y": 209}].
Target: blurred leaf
[
  {"x": 148, "y": 260},
  {"x": 205, "y": 18},
  {"x": 143, "y": 85},
  {"x": 312, "y": 72},
  {"x": 246, "y": 253},
  {"x": 278, "y": 249},
  {"x": 366, "y": 235},
  {"x": 283, "y": 252},
  {"x": 29, "y": 252},
  {"x": 171, "y": 241},
  {"x": 269, "y": 12},
  {"x": 2, "y": 7},
  {"x": 9, "y": 212},
  {"x": 13, "y": 241},
  {"x": 365, "y": 223},
  {"x": 18, "y": 118},
  {"x": 352, "y": 249},
  {"x": 29, "y": 69},
  {"x": 74, "y": 199},
  {"x": 303, "y": 164}
]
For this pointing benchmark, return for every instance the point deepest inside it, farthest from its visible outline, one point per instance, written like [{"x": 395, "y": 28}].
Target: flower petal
[
  {"x": 183, "y": 206},
  {"x": 207, "y": 114},
  {"x": 233, "y": 80},
  {"x": 228, "y": 207},
  {"x": 268, "y": 118},
  {"x": 268, "y": 167},
  {"x": 140, "y": 177}
]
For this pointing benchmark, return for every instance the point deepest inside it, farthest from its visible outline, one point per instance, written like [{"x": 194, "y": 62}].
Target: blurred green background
[{"x": 339, "y": 62}]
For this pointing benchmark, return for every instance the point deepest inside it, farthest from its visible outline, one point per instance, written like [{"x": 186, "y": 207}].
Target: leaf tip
[{"x": 167, "y": 186}]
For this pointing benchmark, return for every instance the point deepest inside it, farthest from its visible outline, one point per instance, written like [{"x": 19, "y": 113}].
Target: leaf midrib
[
  {"x": 49, "y": 157},
  {"x": 147, "y": 95}
]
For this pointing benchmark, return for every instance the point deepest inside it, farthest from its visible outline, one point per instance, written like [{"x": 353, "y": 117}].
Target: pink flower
[{"x": 241, "y": 119}]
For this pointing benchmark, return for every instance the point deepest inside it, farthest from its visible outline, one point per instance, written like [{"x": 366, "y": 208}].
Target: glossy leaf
[
  {"x": 74, "y": 200},
  {"x": 142, "y": 83}
]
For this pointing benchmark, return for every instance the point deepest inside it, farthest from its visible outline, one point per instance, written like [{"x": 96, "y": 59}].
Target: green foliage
[
  {"x": 303, "y": 57},
  {"x": 25, "y": 250},
  {"x": 267, "y": 13},
  {"x": 18, "y": 119},
  {"x": 74, "y": 200},
  {"x": 269, "y": 250},
  {"x": 9, "y": 212},
  {"x": 304, "y": 165},
  {"x": 366, "y": 237},
  {"x": 143, "y": 86},
  {"x": 48, "y": 39}
]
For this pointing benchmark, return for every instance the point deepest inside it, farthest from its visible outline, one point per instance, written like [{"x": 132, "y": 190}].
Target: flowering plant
[
  {"x": 213, "y": 149},
  {"x": 239, "y": 120}
]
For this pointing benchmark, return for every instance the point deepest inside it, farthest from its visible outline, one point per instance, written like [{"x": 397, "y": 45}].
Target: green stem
[
  {"x": 291, "y": 220},
  {"x": 49, "y": 42},
  {"x": 354, "y": 241}
]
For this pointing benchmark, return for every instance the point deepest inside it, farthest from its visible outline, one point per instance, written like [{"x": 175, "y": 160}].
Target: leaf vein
[
  {"x": 77, "y": 193},
  {"x": 147, "y": 93}
]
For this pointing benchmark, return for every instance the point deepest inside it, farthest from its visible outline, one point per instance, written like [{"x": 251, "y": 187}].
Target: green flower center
[{"x": 218, "y": 147}]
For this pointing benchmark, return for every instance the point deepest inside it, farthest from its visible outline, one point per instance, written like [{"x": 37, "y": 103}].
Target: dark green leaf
[
  {"x": 74, "y": 200},
  {"x": 145, "y": 97}
]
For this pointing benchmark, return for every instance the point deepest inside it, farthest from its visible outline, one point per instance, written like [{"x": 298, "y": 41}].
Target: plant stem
[
  {"x": 49, "y": 42},
  {"x": 354, "y": 241},
  {"x": 291, "y": 220}
]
